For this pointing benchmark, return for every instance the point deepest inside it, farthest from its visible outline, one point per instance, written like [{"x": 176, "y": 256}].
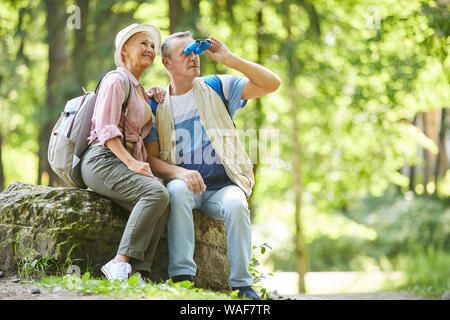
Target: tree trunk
[
  {"x": 441, "y": 162},
  {"x": 80, "y": 50},
  {"x": 2, "y": 176},
  {"x": 301, "y": 255},
  {"x": 431, "y": 130},
  {"x": 230, "y": 4},
  {"x": 413, "y": 168},
  {"x": 195, "y": 16},
  {"x": 259, "y": 120},
  {"x": 426, "y": 154},
  {"x": 57, "y": 61},
  {"x": 176, "y": 12}
]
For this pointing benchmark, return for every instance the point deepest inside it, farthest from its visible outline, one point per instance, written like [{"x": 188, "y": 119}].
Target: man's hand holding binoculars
[
  {"x": 261, "y": 81},
  {"x": 218, "y": 51}
]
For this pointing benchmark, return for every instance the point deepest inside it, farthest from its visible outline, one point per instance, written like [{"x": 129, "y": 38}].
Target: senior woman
[{"x": 123, "y": 173}]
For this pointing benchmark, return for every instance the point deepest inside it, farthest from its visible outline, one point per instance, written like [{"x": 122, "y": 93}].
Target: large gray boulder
[{"x": 51, "y": 220}]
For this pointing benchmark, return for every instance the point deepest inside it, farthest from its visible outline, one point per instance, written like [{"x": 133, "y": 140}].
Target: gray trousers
[{"x": 146, "y": 198}]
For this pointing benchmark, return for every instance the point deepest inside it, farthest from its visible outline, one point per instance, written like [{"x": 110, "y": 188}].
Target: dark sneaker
[
  {"x": 182, "y": 277},
  {"x": 246, "y": 292}
]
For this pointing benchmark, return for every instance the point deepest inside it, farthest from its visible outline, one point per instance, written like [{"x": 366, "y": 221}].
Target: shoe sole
[{"x": 106, "y": 272}]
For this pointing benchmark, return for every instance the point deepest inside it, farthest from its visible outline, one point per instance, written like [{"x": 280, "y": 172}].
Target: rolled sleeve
[
  {"x": 109, "y": 132},
  {"x": 232, "y": 90},
  {"x": 235, "y": 102},
  {"x": 109, "y": 108}
]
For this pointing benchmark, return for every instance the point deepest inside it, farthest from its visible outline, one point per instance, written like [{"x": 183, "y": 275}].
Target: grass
[
  {"x": 427, "y": 271},
  {"x": 46, "y": 271},
  {"x": 130, "y": 289}
]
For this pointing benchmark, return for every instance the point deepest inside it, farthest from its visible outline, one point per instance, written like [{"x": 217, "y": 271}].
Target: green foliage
[
  {"x": 427, "y": 270},
  {"x": 32, "y": 264},
  {"x": 399, "y": 223},
  {"x": 130, "y": 289},
  {"x": 404, "y": 221},
  {"x": 356, "y": 90},
  {"x": 257, "y": 275}
]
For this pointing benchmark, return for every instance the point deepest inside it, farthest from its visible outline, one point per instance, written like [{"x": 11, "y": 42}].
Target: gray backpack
[{"x": 68, "y": 140}]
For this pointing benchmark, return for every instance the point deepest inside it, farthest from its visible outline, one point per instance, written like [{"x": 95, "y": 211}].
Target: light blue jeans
[{"x": 228, "y": 204}]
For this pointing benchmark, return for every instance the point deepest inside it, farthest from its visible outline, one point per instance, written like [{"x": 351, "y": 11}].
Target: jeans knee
[
  {"x": 178, "y": 190},
  {"x": 236, "y": 208}
]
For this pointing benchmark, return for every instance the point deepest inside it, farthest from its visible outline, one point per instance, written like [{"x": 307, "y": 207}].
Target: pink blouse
[{"x": 107, "y": 119}]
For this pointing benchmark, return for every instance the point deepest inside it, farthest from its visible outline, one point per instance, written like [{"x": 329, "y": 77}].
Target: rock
[
  {"x": 1, "y": 274},
  {"x": 51, "y": 220},
  {"x": 35, "y": 290},
  {"x": 446, "y": 295}
]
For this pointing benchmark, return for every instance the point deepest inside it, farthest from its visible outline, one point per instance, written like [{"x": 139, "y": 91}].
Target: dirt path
[
  {"x": 10, "y": 290},
  {"x": 389, "y": 295}
]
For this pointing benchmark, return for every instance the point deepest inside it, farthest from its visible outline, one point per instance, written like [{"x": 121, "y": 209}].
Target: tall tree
[
  {"x": 176, "y": 13},
  {"x": 301, "y": 258},
  {"x": 259, "y": 117},
  {"x": 57, "y": 59},
  {"x": 2, "y": 176},
  {"x": 441, "y": 162},
  {"x": 81, "y": 48}
]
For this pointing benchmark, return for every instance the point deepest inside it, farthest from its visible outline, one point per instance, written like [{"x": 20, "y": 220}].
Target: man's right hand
[{"x": 193, "y": 180}]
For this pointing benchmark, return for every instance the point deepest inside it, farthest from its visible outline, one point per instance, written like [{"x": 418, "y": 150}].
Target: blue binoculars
[{"x": 197, "y": 46}]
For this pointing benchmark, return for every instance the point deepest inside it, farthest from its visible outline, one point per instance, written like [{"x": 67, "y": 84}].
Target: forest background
[{"x": 359, "y": 131}]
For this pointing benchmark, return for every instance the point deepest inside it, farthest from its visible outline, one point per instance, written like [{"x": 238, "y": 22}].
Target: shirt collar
[{"x": 132, "y": 78}]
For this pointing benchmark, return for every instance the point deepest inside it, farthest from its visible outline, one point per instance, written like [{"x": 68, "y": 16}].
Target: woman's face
[{"x": 139, "y": 50}]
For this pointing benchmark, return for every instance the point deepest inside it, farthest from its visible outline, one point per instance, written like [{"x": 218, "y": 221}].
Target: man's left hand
[{"x": 218, "y": 51}]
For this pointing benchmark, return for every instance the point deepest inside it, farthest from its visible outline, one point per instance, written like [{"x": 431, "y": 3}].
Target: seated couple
[{"x": 165, "y": 132}]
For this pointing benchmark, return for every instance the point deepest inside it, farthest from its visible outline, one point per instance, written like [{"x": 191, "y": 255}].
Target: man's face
[{"x": 180, "y": 64}]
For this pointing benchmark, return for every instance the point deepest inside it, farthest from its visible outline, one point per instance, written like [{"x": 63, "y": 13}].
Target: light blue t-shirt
[{"x": 194, "y": 150}]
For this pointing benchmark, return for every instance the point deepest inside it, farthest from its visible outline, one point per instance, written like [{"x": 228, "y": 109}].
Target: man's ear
[{"x": 166, "y": 62}]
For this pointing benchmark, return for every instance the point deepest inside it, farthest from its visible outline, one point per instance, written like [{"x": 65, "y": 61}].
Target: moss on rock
[{"x": 52, "y": 220}]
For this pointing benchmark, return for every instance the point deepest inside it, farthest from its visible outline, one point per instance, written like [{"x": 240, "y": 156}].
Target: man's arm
[
  {"x": 166, "y": 171},
  {"x": 261, "y": 81}
]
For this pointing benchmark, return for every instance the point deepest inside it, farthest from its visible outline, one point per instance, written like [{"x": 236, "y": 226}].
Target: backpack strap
[
  {"x": 216, "y": 84},
  {"x": 125, "y": 103}
]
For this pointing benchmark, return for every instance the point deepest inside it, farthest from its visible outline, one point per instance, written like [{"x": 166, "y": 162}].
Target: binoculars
[{"x": 197, "y": 46}]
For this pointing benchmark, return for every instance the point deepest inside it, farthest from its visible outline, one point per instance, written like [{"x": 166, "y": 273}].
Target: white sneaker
[
  {"x": 117, "y": 270},
  {"x": 141, "y": 282}
]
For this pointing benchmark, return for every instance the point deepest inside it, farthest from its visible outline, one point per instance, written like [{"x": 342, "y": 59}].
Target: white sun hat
[{"x": 132, "y": 29}]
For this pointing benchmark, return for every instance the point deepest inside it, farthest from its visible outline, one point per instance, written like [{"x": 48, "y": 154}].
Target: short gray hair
[{"x": 165, "y": 47}]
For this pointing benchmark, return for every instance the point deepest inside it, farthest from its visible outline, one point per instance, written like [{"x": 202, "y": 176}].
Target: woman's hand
[
  {"x": 140, "y": 167},
  {"x": 157, "y": 93}
]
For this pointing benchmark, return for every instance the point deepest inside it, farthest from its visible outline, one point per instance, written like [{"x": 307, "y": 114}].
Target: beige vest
[{"x": 218, "y": 126}]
